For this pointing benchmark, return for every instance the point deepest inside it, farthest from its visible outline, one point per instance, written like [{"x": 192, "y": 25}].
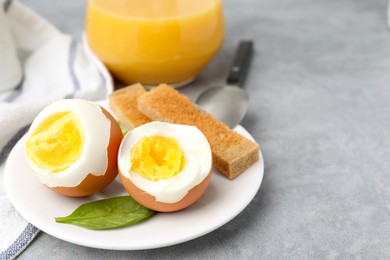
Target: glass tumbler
[{"x": 155, "y": 41}]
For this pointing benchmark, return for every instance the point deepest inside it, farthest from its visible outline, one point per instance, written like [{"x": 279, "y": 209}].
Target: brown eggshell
[
  {"x": 150, "y": 202},
  {"x": 93, "y": 184}
]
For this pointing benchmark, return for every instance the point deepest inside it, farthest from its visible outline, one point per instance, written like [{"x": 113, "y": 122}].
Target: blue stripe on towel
[
  {"x": 5, "y": 151},
  {"x": 7, "y": 4},
  {"x": 16, "y": 92},
  {"x": 102, "y": 78},
  {"x": 20, "y": 243},
  {"x": 71, "y": 61}
]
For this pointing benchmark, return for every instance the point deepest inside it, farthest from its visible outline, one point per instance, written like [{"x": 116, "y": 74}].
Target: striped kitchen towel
[{"x": 38, "y": 65}]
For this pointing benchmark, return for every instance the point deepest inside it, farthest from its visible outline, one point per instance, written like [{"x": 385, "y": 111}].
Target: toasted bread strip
[
  {"x": 123, "y": 103},
  {"x": 232, "y": 153}
]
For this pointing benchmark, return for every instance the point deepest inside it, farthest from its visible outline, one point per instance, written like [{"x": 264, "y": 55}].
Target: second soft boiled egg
[
  {"x": 165, "y": 167},
  {"x": 72, "y": 147}
]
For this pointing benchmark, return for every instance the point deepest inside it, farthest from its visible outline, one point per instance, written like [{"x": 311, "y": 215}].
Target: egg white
[
  {"x": 196, "y": 150},
  {"x": 93, "y": 158}
]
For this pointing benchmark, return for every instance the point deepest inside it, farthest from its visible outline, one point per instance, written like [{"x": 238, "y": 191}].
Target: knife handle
[{"x": 240, "y": 66}]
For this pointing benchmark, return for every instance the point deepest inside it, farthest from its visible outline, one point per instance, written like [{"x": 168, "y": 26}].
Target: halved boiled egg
[
  {"x": 165, "y": 167},
  {"x": 72, "y": 147}
]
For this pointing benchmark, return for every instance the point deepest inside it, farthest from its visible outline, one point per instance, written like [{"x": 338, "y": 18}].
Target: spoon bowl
[{"x": 229, "y": 103}]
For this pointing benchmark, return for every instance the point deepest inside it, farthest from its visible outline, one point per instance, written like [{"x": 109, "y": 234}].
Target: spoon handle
[{"x": 240, "y": 66}]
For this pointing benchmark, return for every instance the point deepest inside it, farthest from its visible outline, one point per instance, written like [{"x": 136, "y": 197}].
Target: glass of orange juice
[{"x": 155, "y": 41}]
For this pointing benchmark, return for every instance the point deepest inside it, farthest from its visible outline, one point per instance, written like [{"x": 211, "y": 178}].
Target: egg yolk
[
  {"x": 57, "y": 142},
  {"x": 157, "y": 157}
]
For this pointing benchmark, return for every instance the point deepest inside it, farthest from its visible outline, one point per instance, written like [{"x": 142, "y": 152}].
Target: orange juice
[{"x": 155, "y": 41}]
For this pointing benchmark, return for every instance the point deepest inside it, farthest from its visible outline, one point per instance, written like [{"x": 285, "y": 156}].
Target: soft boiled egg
[
  {"x": 165, "y": 167},
  {"x": 72, "y": 147}
]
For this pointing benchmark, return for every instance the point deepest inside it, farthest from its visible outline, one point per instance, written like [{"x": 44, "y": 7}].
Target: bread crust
[{"x": 123, "y": 103}]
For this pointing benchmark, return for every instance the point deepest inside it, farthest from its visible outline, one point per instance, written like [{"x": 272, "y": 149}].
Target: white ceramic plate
[{"x": 223, "y": 200}]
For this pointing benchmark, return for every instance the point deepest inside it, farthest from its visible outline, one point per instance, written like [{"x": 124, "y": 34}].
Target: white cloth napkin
[{"x": 38, "y": 65}]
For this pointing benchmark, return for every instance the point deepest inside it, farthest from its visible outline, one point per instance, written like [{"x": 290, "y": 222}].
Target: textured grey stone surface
[{"x": 320, "y": 109}]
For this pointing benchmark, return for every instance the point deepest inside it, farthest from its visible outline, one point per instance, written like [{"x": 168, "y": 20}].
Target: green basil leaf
[{"x": 107, "y": 213}]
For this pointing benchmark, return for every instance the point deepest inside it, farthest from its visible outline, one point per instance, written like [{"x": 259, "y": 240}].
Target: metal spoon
[{"x": 229, "y": 103}]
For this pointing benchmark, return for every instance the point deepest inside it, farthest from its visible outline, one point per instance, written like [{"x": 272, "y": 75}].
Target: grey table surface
[{"x": 319, "y": 107}]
